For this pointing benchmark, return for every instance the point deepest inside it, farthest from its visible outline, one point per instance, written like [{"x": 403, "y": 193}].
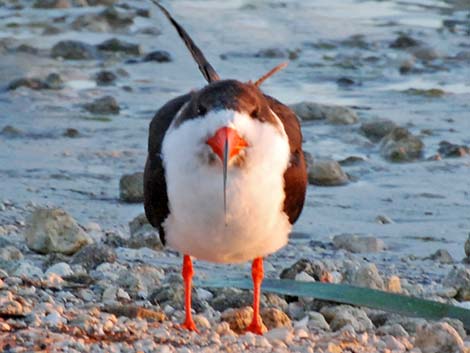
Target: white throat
[{"x": 256, "y": 224}]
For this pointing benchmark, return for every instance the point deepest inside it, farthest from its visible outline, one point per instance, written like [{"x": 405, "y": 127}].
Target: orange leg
[
  {"x": 257, "y": 274},
  {"x": 188, "y": 273}
]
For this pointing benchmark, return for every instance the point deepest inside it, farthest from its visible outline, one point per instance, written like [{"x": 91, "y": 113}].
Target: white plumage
[{"x": 255, "y": 225}]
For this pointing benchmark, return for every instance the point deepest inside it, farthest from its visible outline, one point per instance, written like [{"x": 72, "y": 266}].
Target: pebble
[
  {"x": 275, "y": 318},
  {"x": 375, "y": 130},
  {"x": 317, "y": 320},
  {"x": 356, "y": 243},
  {"x": 159, "y": 56},
  {"x": 116, "y": 45},
  {"x": 401, "y": 146},
  {"x": 459, "y": 278},
  {"x": 447, "y": 149},
  {"x": 394, "y": 284},
  {"x": 283, "y": 334},
  {"x": 105, "y": 78},
  {"x": 50, "y": 230},
  {"x": 438, "y": 338},
  {"x": 74, "y": 50},
  {"x": 93, "y": 255},
  {"x": 335, "y": 114},
  {"x": 239, "y": 319},
  {"x": 366, "y": 275},
  {"x": 62, "y": 269},
  {"x": 131, "y": 187},
  {"x": 313, "y": 268},
  {"x": 327, "y": 173},
  {"x": 343, "y": 315},
  {"x": 404, "y": 41},
  {"x": 103, "y": 105},
  {"x": 442, "y": 256},
  {"x": 52, "y": 4},
  {"x": 10, "y": 253}
]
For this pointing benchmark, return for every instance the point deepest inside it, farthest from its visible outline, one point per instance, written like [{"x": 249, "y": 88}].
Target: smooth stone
[
  {"x": 239, "y": 319},
  {"x": 442, "y": 256},
  {"x": 274, "y": 318},
  {"x": 366, "y": 275},
  {"x": 327, "y": 173},
  {"x": 105, "y": 78},
  {"x": 401, "y": 146},
  {"x": 10, "y": 253},
  {"x": 459, "y": 278},
  {"x": 62, "y": 269},
  {"x": 447, "y": 149},
  {"x": 117, "y": 45},
  {"x": 160, "y": 56},
  {"x": 27, "y": 270},
  {"x": 73, "y": 50},
  {"x": 315, "y": 269},
  {"x": 356, "y": 243},
  {"x": 343, "y": 315},
  {"x": 438, "y": 338},
  {"x": 394, "y": 284},
  {"x": 404, "y": 41},
  {"x": 377, "y": 129},
  {"x": 425, "y": 53},
  {"x": 283, "y": 334},
  {"x": 396, "y": 330},
  {"x": 335, "y": 114},
  {"x": 52, "y": 4},
  {"x": 317, "y": 320},
  {"x": 131, "y": 187},
  {"x": 50, "y": 230},
  {"x": 103, "y": 105},
  {"x": 93, "y": 255}
]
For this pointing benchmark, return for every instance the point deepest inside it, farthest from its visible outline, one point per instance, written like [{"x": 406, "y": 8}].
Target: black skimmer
[{"x": 225, "y": 176}]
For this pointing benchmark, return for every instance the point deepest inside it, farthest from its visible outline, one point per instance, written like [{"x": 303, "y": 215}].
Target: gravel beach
[{"x": 382, "y": 91}]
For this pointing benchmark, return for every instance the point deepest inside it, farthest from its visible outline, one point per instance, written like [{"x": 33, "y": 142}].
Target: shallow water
[{"x": 425, "y": 199}]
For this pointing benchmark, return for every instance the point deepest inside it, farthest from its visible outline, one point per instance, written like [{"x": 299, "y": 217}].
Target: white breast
[{"x": 255, "y": 224}]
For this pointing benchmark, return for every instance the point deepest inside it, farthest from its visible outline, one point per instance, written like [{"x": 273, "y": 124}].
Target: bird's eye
[
  {"x": 201, "y": 110},
  {"x": 255, "y": 113}
]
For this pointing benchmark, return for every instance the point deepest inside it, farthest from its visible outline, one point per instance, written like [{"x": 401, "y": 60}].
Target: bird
[{"x": 225, "y": 176}]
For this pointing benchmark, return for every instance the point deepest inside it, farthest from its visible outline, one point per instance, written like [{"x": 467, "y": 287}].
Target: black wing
[
  {"x": 155, "y": 192},
  {"x": 295, "y": 177}
]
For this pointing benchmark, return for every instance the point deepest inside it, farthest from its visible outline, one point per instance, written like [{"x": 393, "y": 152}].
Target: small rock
[
  {"x": 27, "y": 270},
  {"x": 103, "y": 105},
  {"x": 105, "y": 78},
  {"x": 342, "y": 315},
  {"x": 459, "y": 278},
  {"x": 54, "y": 230},
  {"x": 356, "y": 243},
  {"x": 54, "y": 81},
  {"x": 116, "y": 18},
  {"x": 317, "y": 320},
  {"x": 93, "y": 255},
  {"x": 283, "y": 334},
  {"x": 131, "y": 188},
  {"x": 25, "y": 48},
  {"x": 277, "y": 53},
  {"x": 383, "y": 219},
  {"x": 333, "y": 113},
  {"x": 448, "y": 149},
  {"x": 117, "y": 45},
  {"x": 396, "y": 330},
  {"x": 73, "y": 50},
  {"x": 239, "y": 319},
  {"x": 143, "y": 234},
  {"x": 438, "y": 338},
  {"x": 429, "y": 93},
  {"x": 274, "y": 318},
  {"x": 10, "y": 253},
  {"x": 160, "y": 56},
  {"x": 11, "y": 131},
  {"x": 404, "y": 41},
  {"x": 141, "y": 280},
  {"x": 393, "y": 344},
  {"x": 394, "y": 284},
  {"x": 52, "y": 4},
  {"x": 442, "y": 256},
  {"x": 401, "y": 146},
  {"x": 457, "y": 325},
  {"x": 202, "y": 322},
  {"x": 377, "y": 129},
  {"x": 31, "y": 83},
  {"x": 327, "y": 173},
  {"x": 71, "y": 132},
  {"x": 425, "y": 53},
  {"x": 367, "y": 276},
  {"x": 54, "y": 319},
  {"x": 314, "y": 268},
  {"x": 62, "y": 269}
]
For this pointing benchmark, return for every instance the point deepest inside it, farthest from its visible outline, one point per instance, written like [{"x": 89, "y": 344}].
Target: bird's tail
[{"x": 206, "y": 69}]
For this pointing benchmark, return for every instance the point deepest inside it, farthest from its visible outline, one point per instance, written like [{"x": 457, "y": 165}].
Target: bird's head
[{"x": 228, "y": 128}]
